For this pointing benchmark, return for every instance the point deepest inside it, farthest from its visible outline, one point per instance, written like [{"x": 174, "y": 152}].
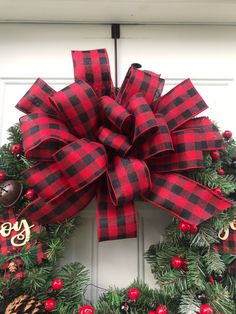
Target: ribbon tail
[
  {"x": 185, "y": 198},
  {"x": 114, "y": 222},
  {"x": 66, "y": 206},
  {"x": 93, "y": 67}
]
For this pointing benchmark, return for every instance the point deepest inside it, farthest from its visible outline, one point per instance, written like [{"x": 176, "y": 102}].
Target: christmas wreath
[{"x": 87, "y": 141}]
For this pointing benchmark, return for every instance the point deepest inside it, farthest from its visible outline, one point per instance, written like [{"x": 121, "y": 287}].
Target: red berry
[
  {"x": 193, "y": 229},
  {"x": 210, "y": 279},
  {"x": 151, "y": 312},
  {"x": 218, "y": 191},
  {"x": 86, "y": 309},
  {"x": 206, "y": 309},
  {"x": 184, "y": 226},
  {"x": 16, "y": 149},
  {"x": 49, "y": 305},
  {"x": 161, "y": 309},
  {"x": 221, "y": 172},
  {"x": 57, "y": 284},
  {"x": 133, "y": 294},
  {"x": 3, "y": 175},
  {"x": 30, "y": 195},
  {"x": 227, "y": 134},
  {"x": 215, "y": 156},
  {"x": 185, "y": 265},
  {"x": 176, "y": 262}
]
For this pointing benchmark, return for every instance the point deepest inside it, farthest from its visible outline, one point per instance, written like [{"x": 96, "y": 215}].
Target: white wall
[{"x": 207, "y": 54}]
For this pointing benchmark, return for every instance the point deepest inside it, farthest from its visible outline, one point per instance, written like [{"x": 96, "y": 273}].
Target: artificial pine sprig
[
  {"x": 222, "y": 220},
  {"x": 188, "y": 303},
  {"x": 36, "y": 281},
  {"x": 14, "y": 134},
  {"x": 9, "y": 163},
  {"x": 219, "y": 298},
  {"x": 205, "y": 236},
  {"x": 71, "y": 296},
  {"x": 110, "y": 301}
]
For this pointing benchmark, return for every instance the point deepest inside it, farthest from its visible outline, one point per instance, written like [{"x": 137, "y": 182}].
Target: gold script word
[{"x": 23, "y": 232}]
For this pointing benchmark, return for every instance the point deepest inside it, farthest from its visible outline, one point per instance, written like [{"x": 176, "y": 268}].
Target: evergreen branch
[
  {"x": 36, "y": 280},
  {"x": 110, "y": 301},
  {"x": 211, "y": 179},
  {"x": 213, "y": 262},
  {"x": 14, "y": 134},
  {"x": 223, "y": 219},
  {"x": 63, "y": 231},
  {"x": 175, "y": 237},
  {"x": 196, "y": 270},
  {"x": 205, "y": 236},
  {"x": 55, "y": 250},
  {"x": 229, "y": 281},
  {"x": 75, "y": 278},
  {"x": 188, "y": 304},
  {"x": 10, "y": 164},
  {"x": 220, "y": 300},
  {"x": 172, "y": 282}
]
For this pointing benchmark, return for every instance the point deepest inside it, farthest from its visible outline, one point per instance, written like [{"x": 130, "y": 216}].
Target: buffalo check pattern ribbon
[{"x": 89, "y": 141}]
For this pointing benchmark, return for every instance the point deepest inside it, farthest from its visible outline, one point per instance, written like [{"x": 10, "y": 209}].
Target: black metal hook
[
  {"x": 115, "y": 34},
  {"x": 136, "y": 65}
]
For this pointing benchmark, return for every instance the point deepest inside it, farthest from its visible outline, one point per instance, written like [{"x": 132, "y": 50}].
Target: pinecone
[
  {"x": 24, "y": 304},
  {"x": 12, "y": 267}
]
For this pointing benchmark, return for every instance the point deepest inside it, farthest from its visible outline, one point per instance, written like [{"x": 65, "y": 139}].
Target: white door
[{"x": 206, "y": 54}]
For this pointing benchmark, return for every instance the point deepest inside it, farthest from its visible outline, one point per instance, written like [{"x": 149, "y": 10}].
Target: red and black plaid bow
[{"x": 87, "y": 142}]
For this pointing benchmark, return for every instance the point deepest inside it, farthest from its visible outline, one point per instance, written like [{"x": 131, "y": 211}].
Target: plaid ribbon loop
[
  {"x": 81, "y": 162},
  {"x": 187, "y": 153},
  {"x": 128, "y": 179},
  {"x": 78, "y": 105},
  {"x": 118, "y": 116},
  {"x": 90, "y": 142},
  {"x": 43, "y": 135},
  {"x": 119, "y": 142}
]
